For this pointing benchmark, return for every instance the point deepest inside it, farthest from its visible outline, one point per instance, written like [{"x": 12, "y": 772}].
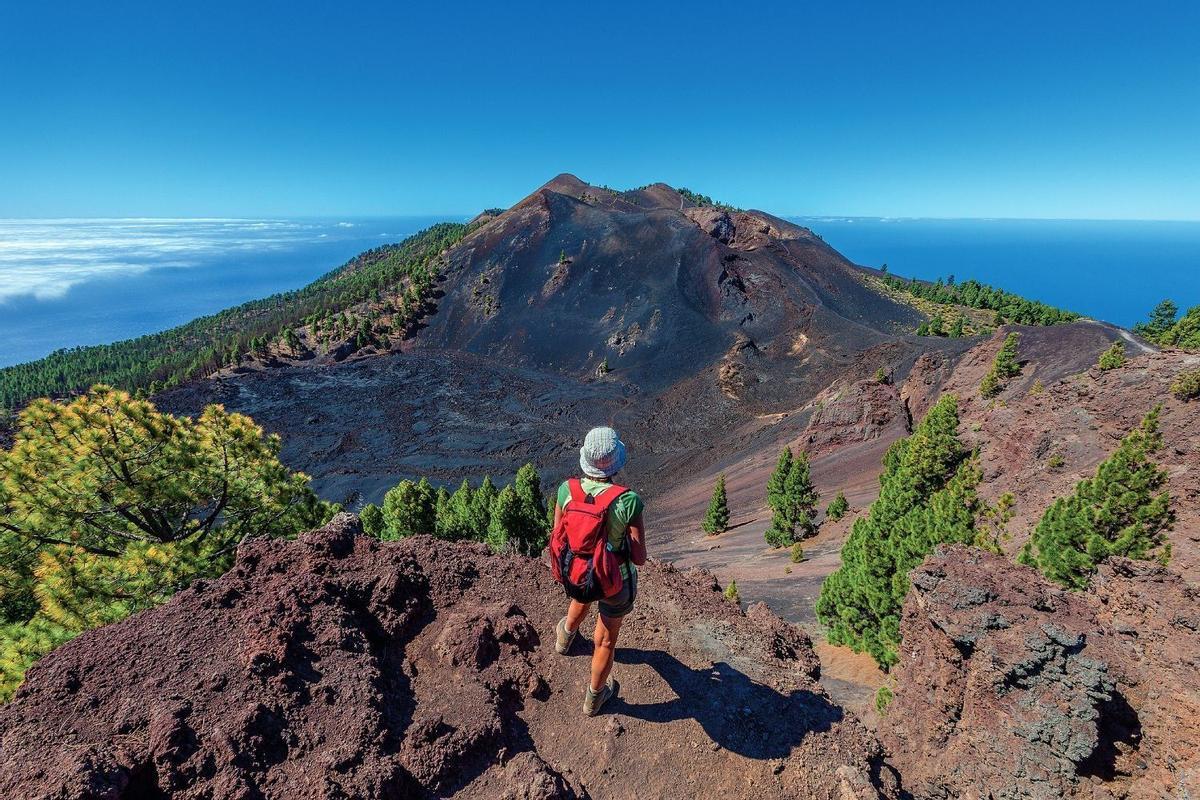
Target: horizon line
[{"x": 451, "y": 215}]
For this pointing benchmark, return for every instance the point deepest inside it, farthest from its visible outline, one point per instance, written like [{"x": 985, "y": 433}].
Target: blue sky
[{"x": 1064, "y": 109}]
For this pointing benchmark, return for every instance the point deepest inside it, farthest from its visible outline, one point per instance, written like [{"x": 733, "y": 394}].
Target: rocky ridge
[
  {"x": 1010, "y": 687},
  {"x": 337, "y": 666}
]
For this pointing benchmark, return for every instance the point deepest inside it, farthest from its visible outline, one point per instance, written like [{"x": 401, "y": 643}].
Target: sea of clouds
[{"x": 44, "y": 259}]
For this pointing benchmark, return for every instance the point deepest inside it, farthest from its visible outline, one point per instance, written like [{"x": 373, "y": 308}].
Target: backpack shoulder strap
[
  {"x": 578, "y": 495},
  {"x": 610, "y": 496}
]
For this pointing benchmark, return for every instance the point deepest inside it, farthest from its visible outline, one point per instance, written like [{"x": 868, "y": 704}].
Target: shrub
[
  {"x": 1113, "y": 357},
  {"x": 797, "y": 555},
  {"x": 883, "y": 699},
  {"x": 1187, "y": 385},
  {"x": 838, "y": 508},
  {"x": 1055, "y": 461},
  {"x": 1119, "y": 511},
  {"x": 371, "y": 518},
  {"x": 731, "y": 592}
]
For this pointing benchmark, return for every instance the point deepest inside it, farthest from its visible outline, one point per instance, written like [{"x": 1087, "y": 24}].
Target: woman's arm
[{"x": 637, "y": 540}]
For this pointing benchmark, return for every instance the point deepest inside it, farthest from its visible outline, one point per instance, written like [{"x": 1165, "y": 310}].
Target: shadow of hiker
[{"x": 738, "y": 713}]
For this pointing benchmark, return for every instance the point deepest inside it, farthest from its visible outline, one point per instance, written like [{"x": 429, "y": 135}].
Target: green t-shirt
[{"x": 620, "y": 513}]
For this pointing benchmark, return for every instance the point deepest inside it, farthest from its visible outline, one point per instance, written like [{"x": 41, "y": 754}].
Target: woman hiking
[{"x": 596, "y": 547}]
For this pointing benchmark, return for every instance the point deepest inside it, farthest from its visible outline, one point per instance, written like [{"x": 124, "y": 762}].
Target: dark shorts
[{"x": 621, "y": 603}]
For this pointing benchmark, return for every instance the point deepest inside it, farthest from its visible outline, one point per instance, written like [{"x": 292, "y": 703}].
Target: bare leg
[
  {"x": 575, "y": 614},
  {"x": 605, "y": 647}
]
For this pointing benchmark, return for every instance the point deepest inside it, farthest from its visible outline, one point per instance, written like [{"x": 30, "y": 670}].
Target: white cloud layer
[{"x": 45, "y": 259}]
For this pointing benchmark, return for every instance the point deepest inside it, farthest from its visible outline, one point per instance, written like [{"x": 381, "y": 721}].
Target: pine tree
[
  {"x": 505, "y": 522},
  {"x": 455, "y": 521},
  {"x": 1004, "y": 366},
  {"x": 1162, "y": 319},
  {"x": 408, "y": 510},
  {"x": 801, "y": 498},
  {"x": 793, "y": 500},
  {"x": 775, "y": 484},
  {"x": 371, "y": 518},
  {"x": 532, "y": 532},
  {"x": 108, "y": 506},
  {"x": 717, "y": 518},
  {"x": 21, "y": 645},
  {"x": 1185, "y": 333},
  {"x": 926, "y": 497},
  {"x": 1119, "y": 511},
  {"x": 956, "y": 328},
  {"x": 1113, "y": 357},
  {"x": 441, "y": 511},
  {"x": 779, "y": 533},
  {"x": 838, "y": 508},
  {"x": 480, "y": 513}
]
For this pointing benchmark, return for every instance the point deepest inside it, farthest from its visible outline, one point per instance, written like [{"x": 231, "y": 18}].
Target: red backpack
[{"x": 580, "y": 556}]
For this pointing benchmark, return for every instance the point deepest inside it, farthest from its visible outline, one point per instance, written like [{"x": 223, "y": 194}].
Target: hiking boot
[
  {"x": 593, "y": 700},
  {"x": 563, "y": 638}
]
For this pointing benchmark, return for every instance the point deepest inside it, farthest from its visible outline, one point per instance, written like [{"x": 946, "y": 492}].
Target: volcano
[
  {"x": 685, "y": 325},
  {"x": 338, "y": 666}
]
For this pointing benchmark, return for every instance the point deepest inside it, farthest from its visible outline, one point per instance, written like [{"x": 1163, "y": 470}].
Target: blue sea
[
  {"x": 76, "y": 282},
  {"x": 69, "y": 282},
  {"x": 1110, "y": 270}
]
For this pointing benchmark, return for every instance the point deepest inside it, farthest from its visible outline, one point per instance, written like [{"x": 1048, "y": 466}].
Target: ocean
[
  {"x": 1110, "y": 270},
  {"x": 65, "y": 283},
  {"x": 70, "y": 282}
]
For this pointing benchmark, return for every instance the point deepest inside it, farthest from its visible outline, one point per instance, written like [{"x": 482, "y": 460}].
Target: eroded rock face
[
  {"x": 1155, "y": 615},
  {"x": 1009, "y": 687},
  {"x": 337, "y": 666},
  {"x": 861, "y": 412}
]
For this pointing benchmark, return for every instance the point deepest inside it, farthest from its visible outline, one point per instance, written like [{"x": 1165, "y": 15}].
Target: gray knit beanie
[{"x": 602, "y": 454}]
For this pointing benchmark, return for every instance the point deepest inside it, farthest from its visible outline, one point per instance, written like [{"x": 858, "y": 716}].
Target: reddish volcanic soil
[{"x": 341, "y": 667}]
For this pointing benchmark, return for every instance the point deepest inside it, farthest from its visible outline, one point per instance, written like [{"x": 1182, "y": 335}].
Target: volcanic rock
[
  {"x": 337, "y": 666},
  {"x": 1009, "y": 687}
]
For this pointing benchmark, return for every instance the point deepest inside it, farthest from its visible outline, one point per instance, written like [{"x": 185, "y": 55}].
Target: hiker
[{"x": 597, "y": 544}]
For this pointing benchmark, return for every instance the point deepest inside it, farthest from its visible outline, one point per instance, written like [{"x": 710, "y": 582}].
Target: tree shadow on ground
[{"x": 735, "y": 711}]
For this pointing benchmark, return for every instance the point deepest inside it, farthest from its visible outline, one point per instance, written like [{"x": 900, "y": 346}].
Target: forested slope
[{"x": 204, "y": 345}]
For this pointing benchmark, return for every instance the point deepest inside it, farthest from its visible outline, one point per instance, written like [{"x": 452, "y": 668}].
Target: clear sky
[{"x": 1040, "y": 109}]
